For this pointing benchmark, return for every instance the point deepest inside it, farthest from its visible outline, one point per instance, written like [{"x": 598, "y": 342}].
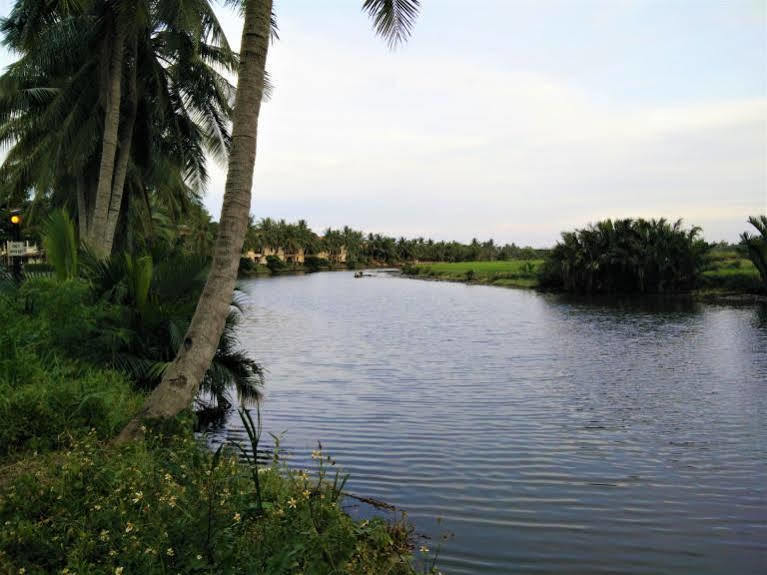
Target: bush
[
  {"x": 247, "y": 265},
  {"x": 172, "y": 506},
  {"x": 315, "y": 264},
  {"x": 274, "y": 264},
  {"x": 55, "y": 403},
  {"x": 68, "y": 319},
  {"x": 646, "y": 256},
  {"x": 740, "y": 282}
]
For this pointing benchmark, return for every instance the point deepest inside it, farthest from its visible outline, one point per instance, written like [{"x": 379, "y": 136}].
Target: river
[{"x": 546, "y": 434}]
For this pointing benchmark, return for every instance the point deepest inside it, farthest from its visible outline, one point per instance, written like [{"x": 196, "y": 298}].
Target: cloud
[{"x": 423, "y": 145}]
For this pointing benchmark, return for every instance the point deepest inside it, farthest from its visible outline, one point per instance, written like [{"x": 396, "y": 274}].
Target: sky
[{"x": 513, "y": 119}]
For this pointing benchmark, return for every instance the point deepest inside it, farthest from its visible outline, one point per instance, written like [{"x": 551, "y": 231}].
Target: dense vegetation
[
  {"x": 112, "y": 108},
  {"x": 727, "y": 269},
  {"x": 644, "y": 256},
  {"x": 130, "y": 311},
  {"x": 71, "y": 502},
  {"x": 110, "y": 114},
  {"x": 370, "y": 249},
  {"x": 756, "y": 246},
  {"x": 507, "y": 273}
]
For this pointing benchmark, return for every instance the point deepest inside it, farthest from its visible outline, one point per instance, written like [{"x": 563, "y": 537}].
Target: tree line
[
  {"x": 639, "y": 256},
  {"x": 365, "y": 249}
]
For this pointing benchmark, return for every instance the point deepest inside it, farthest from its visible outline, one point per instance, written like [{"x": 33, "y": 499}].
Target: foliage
[
  {"x": 315, "y": 264},
  {"x": 247, "y": 265},
  {"x": 361, "y": 249},
  {"x": 725, "y": 269},
  {"x": 510, "y": 273},
  {"x": 646, "y": 256},
  {"x": 65, "y": 316},
  {"x": 71, "y": 501},
  {"x": 170, "y": 505},
  {"x": 46, "y": 399},
  {"x": 274, "y": 264},
  {"x": 53, "y": 99},
  {"x": 131, "y": 315},
  {"x": 756, "y": 246},
  {"x": 155, "y": 303},
  {"x": 61, "y": 244}
]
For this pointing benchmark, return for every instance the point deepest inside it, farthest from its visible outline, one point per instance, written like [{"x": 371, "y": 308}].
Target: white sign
[{"x": 17, "y": 249}]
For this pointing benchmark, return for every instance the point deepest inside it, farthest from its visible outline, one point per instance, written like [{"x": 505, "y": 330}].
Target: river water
[{"x": 546, "y": 434}]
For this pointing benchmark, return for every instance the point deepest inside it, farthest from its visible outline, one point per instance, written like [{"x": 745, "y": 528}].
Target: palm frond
[
  {"x": 393, "y": 20},
  {"x": 61, "y": 245}
]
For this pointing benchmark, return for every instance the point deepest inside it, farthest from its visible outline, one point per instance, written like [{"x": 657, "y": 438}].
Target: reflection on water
[{"x": 551, "y": 435}]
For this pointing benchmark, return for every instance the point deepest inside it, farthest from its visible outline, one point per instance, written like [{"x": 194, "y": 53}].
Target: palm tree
[
  {"x": 393, "y": 19},
  {"x": 756, "y": 246},
  {"x": 172, "y": 106},
  {"x": 624, "y": 256}
]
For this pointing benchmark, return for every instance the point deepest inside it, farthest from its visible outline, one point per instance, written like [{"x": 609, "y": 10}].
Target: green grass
[
  {"x": 507, "y": 273},
  {"x": 727, "y": 271}
]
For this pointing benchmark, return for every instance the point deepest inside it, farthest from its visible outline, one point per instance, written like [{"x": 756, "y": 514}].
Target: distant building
[
  {"x": 293, "y": 257},
  {"x": 32, "y": 253}
]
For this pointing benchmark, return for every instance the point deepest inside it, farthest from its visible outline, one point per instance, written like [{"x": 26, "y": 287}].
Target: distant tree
[{"x": 626, "y": 256}]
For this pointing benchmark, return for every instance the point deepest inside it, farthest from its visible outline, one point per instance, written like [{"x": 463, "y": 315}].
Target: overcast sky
[{"x": 514, "y": 119}]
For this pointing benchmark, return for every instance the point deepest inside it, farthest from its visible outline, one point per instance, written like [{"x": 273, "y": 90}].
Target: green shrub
[
  {"x": 315, "y": 264},
  {"x": 247, "y": 265},
  {"x": 174, "y": 507},
  {"x": 730, "y": 279},
  {"x": 623, "y": 256},
  {"x": 755, "y": 246},
  {"x": 274, "y": 264},
  {"x": 55, "y": 402},
  {"x": 70, "y": 320}
]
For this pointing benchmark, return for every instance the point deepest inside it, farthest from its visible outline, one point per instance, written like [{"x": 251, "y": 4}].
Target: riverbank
[
  {"x": 504, "y": 273},
  {"x": 728, "y": 278},
  {"x": 71, "y": 502}
]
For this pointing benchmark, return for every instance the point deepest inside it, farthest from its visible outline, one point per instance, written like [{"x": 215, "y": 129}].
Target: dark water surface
[{"x": 551, "y": 436}]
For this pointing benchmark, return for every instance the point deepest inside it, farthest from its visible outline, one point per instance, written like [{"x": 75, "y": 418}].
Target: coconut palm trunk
[
  {"x": 123, "y": 155},
  {"x": 97, "y": 226},
  {"x": 182, "y": 378}
]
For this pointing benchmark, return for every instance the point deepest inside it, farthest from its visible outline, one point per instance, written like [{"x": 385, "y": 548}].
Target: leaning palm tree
[{"x": 392, "y": 19}]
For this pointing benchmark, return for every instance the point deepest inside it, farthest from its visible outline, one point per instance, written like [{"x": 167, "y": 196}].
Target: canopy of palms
[
  {"x": 626, "y": 256},
  {"x": 110, "y": 96}
]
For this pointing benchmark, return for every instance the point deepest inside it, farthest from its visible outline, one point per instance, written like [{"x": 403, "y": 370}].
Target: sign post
[{"x": 17, "y": 249}]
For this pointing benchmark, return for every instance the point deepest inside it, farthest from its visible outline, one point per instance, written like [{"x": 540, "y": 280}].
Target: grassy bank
[
  {"x": 507, "y": 273},
  {"x": 725, "y": 273},
  {"x": 70, "y": 502}
]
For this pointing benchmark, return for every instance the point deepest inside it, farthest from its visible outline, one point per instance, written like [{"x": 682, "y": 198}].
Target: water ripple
[{"x": 549, "y": 435}]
